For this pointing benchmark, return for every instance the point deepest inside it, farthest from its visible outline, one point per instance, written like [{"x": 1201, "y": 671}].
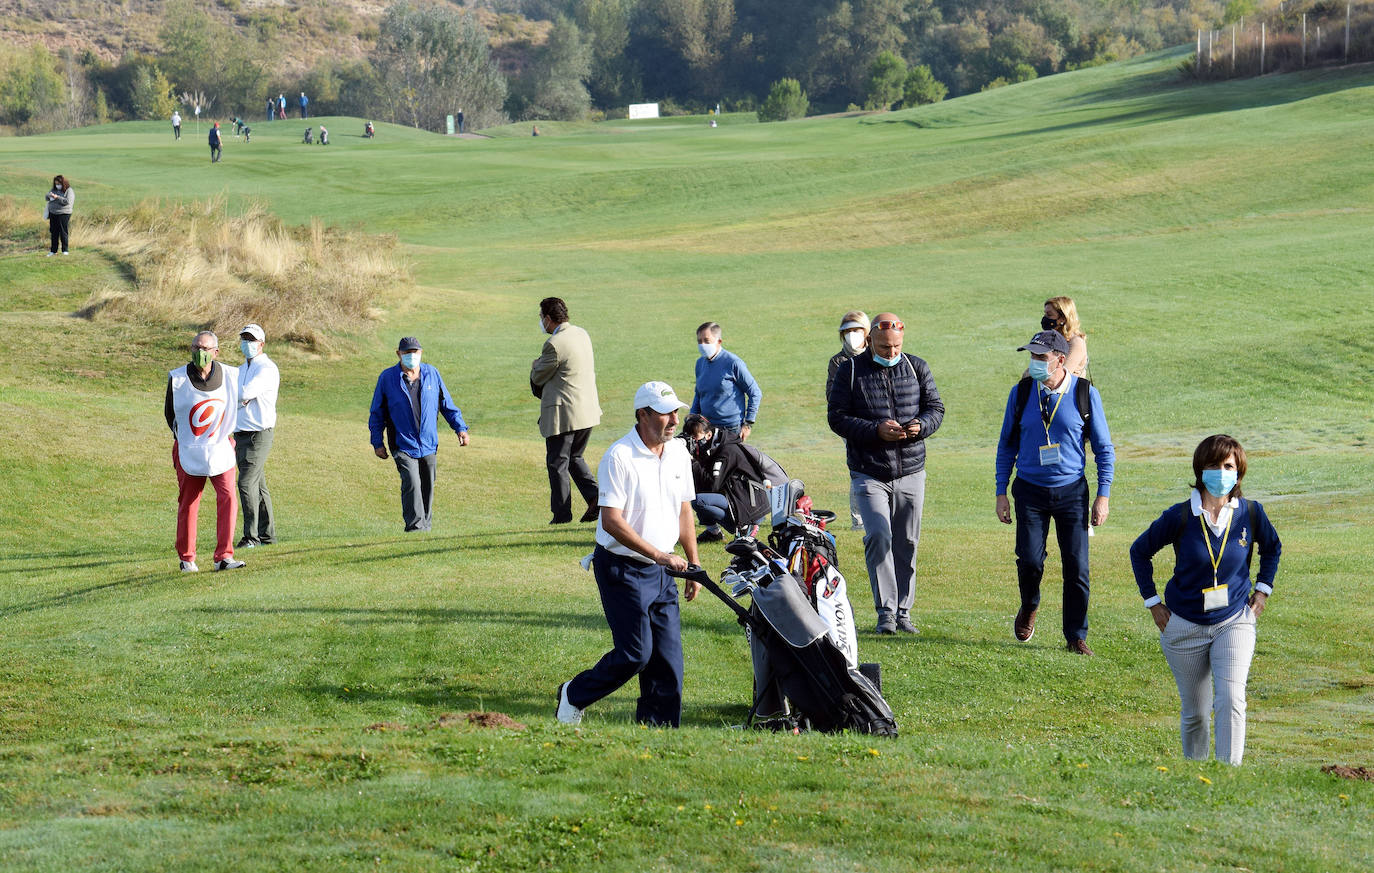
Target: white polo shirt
[
  {"x": 259, "y": 381},
  {"x": 649, "y": 489}
]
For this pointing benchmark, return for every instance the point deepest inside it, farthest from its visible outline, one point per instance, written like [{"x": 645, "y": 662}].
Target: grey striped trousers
[{"x": 1211, "y": 663}]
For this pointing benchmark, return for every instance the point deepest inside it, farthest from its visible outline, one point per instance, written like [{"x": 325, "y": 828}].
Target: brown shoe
[
  {"x": 1078, "y": 647},
  {"x": 1024, "y": 626}
]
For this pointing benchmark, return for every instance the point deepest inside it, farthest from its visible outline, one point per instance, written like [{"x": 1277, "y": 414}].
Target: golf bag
[
  {"x": 809, "y": 555},
  {"x": 794, "y": 656}
]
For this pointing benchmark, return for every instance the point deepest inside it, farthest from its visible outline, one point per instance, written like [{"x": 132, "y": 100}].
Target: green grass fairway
[{"x": 298, "y": 715}]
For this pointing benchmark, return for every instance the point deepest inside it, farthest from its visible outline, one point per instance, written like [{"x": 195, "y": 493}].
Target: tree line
[{"x": 430, "y": 59}]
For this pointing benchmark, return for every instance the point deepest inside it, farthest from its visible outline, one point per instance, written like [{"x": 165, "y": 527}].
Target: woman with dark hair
[
  {"x": 1206, "y": 617},
  {"x": 60, "y": 200}
]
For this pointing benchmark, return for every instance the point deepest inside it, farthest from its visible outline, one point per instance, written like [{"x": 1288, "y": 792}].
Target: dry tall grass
[{"x": 199, "y": 264}]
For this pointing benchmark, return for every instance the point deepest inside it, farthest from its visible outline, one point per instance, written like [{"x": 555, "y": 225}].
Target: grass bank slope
[{"x": 291, "y": 715}]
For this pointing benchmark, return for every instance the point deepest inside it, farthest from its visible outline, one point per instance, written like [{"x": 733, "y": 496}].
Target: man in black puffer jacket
[{"x": 885, "y": 405}]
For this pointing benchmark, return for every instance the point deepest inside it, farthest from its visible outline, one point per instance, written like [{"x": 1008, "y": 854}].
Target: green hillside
[{"x": 295, "y": 715}]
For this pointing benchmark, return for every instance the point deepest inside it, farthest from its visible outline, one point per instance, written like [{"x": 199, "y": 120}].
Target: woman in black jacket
[
  {"x": 60, "y": 200},
  {"x": 732, "y": 478}
]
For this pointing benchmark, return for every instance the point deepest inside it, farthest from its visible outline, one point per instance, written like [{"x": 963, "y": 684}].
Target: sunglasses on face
[{"x": 888, "y": 325}]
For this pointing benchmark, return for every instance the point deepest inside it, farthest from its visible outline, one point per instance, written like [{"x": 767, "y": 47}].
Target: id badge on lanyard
[
  {"x": 1049, "y": 452},
  {"x": 1215, "y": 597}
]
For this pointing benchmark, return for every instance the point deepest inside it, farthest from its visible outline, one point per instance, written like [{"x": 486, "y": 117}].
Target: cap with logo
[
  {"x": 255, "y": 331},
  {"x": 1046, "y": 341},
  {"x": 657, "y": 396},
  {"x": 407, "y": 343}
]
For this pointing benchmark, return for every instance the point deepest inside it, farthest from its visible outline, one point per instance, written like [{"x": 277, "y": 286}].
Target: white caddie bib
[{"x": 205, "y": 421}]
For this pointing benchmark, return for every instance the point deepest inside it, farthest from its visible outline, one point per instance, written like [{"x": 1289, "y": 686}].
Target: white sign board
[{"x": 644, "y": 110}]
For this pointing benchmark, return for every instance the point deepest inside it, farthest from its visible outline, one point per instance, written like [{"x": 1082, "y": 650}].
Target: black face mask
[{"x": 1047, "y": 323}]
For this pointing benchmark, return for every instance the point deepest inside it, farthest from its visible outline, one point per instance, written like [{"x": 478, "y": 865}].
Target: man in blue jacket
[
  {"x": 406, "y": 406},
  {"x": 885, "y": 405},
  {"x": 1049, "y": 417},
  {"x": 726, "y": 392}
]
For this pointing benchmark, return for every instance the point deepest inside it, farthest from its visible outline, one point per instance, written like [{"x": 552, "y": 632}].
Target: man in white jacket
[
  {"x": 202, "y": 410},
  {"x": 259, "y": 380}
]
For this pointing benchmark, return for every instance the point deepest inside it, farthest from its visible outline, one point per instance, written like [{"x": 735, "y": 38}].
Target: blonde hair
[
  {"x": 857, "y": 315},
  {"x": 1067, "y": 311}
]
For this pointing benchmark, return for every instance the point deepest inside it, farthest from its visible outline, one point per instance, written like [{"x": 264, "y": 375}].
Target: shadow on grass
[
  {"x": 422, "y": 615},
  {"x": 68, "y": 597}
]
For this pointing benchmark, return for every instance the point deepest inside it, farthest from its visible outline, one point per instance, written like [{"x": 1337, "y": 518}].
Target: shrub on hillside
[
  {"x": 886, "y": 77},
  {"x": 786, "y": 99},
  {"x": 922, "y": 87},
  {"x": 201, "y": 265}
]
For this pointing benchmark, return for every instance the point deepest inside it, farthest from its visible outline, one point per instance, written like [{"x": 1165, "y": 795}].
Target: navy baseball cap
[
  {"x": 1046, "y": 341},
  {"x": 407, "y": 343}
]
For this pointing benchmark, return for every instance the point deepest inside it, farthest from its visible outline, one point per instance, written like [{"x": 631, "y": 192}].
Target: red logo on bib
[{"x": 206, "y": 415}]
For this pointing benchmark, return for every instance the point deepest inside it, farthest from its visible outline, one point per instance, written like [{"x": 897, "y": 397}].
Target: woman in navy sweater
[{"x": 1207, "y": 615}]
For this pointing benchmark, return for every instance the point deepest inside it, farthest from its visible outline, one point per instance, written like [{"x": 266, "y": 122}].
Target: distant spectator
[
  {"x": 281, "y": 106},
  {"x": 271, "y": 108},
  {"x": 60, "y": 199},
  {"x": 216, "y": 144},
  {"x": 460, "y": 121},
  {"x": 725, "y": 392},
  {"x": 176, "y": 124},
  {"x": 1062, "y": 315},
  {"x": 305, "y": 101},
  {"x": 535, "y": 132}
]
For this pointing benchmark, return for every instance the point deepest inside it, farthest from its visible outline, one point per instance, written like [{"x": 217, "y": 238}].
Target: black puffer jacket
[
  {"x": 864, "y": 394},
  {"x": 726, "y": 465}
]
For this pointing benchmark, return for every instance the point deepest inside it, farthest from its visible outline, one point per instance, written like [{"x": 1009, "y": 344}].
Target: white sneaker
[
  {"x": 66, "y": 253},
  {"x": 229, "y": 564},
  {"x": 189, "y": 567},
  {"x": 50, "y": 254},
  {"x": 566, "y": 712}
]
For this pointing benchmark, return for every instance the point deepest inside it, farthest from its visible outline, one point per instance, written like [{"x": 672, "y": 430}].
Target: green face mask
[{"x": 201, "y": 357}]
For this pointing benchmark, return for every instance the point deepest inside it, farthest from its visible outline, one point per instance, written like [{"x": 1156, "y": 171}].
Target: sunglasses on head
[{"x": 888, "y": 325}]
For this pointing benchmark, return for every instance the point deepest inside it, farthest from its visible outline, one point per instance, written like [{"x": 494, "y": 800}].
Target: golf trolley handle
[{"x": 695, "y": 573}]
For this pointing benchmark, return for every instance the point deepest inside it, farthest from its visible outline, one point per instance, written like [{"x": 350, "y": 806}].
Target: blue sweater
[
  {"x": 1193, "y": 564},
  {"x": 726, "y": 392},
  {"x": 1067, "y": 430},
  {"x": 392, "y": 413}
]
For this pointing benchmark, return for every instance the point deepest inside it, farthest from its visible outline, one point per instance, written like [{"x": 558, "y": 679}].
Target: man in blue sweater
[
  {"x": 726, "y": 393},
  {"x": 885, "y": 404},
  {"x": 1043, "y": 434},
  {"x": 405, "y": 406}
]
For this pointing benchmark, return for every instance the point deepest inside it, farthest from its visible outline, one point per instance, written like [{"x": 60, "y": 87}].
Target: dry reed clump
[{"x": 197, "y": 263}]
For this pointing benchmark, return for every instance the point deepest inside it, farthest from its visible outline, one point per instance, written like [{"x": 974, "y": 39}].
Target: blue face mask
[
  {"x": 1219, "y": 482},
  {"x": 1039, "y": 370},
  {"x": 410, "y": 360},
  {"x": 885, "y": 362}
]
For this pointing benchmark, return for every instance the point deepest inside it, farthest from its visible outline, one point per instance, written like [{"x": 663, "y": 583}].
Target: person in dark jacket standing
[
  {"x": 216, "y": 144},
  {"x": 1206, "y": 617},
  {"x": 885, "y": 405},
  {"x": 1044, "y": 442},
  {"x": 853, "y": 341},
  {"x": 406, "y": 405},
  {"x": 60, "y": 199}
]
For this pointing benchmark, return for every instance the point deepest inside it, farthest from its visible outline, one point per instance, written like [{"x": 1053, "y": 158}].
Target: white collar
[
  {"x": 1195, "y": 501},
  {"x": 1063, "y": 386}
]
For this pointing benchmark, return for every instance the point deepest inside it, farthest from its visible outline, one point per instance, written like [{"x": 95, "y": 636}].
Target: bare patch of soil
[
  {"x": 480, "y": 719},
  {"x": 1362, "y": 774},
  {"x": 382, "y": 727}
]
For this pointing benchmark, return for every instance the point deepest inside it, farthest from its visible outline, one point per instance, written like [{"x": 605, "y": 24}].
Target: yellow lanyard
[
  {"x": 1207, "y": 538},
  {"x": 1049, "y": 421}
]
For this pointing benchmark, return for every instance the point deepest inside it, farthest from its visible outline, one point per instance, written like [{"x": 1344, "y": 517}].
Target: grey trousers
[
  {"x": 417, "y": 489},
  {"x": 1211, "y": 663},
  {"x": 251, "y": 448},
  {"x": 891, "y": 513}
]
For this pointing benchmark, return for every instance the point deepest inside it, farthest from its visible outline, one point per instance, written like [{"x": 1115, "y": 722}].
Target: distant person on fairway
[
  {"x": 59, "y": 201},
  {"x": 725, "y": 390},
  {"x": 1206, "y": 617},
  {"x": 405, "y": 409},
  {"x": 281, "y": 106},
  {"x": 853, "y": 340},
  {"x": 202, "y": 411},
  {"x": 216, "y": 144},
  {"x": 885, "y": 405},
  {"x": 176, "y": 124},
  {"x": 304, "y": 101},
  {"x": 645, "y": 481},
  {"x": 535, "y": 131},
  {"x": 259, "y": 381},
  {"x": 1049, "y": 417},
  {"x": 460, "y": 120},
  {"x": 271, "y": 108},
  {"x": 563, "y": 377}
]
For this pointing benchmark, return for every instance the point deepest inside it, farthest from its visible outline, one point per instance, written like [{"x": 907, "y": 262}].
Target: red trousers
[{"x": 188, "y": 510}]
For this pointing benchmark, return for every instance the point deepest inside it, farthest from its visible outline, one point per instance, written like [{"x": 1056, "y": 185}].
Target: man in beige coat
[{"x": 564, "y": 380}]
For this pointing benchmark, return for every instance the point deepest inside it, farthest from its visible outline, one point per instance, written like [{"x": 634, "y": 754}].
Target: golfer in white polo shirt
[{"x": 645, "y": 494}]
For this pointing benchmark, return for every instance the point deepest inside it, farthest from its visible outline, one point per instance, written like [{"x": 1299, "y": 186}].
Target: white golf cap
[
  {"x": 254, "y": 331},
  {"x": 657, "y": 396}
]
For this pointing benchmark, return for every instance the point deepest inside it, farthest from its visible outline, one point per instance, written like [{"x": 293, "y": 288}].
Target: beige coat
[{"x": 564, "y": 378}]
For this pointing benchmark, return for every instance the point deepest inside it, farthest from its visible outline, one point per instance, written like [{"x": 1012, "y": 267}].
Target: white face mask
[
  {"x": 855, "y": 340},
  {"x": 708, "y": 350},
  {"x": 542, "y": 329},
  {"x": 250, "y": 348}
]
